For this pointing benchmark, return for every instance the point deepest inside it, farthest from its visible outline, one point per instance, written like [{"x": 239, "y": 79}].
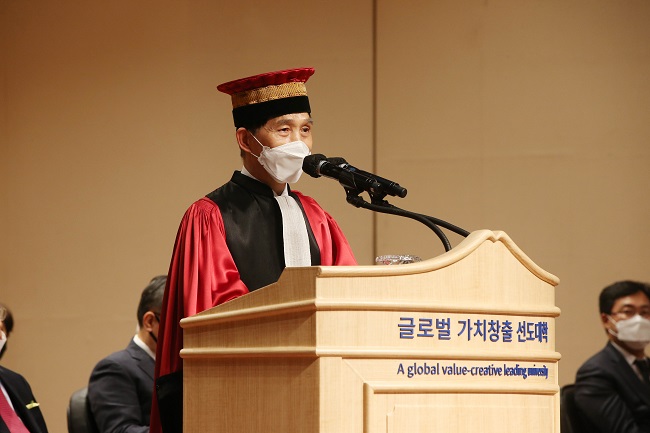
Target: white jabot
[
  {"x": 294, "y": 233},
  {"x": 294, "y": 229}
]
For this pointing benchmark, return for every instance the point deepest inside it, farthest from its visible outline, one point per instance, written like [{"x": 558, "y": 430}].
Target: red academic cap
[{"x": 262, "y": 97}]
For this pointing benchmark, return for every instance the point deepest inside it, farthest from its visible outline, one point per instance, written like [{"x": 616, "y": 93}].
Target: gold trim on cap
[{"x": 268, "y": 93}]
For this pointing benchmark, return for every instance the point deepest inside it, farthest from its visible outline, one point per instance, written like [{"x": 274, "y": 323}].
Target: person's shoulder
[
  {"x": 204, "y": 204},
  {"x": 306, "y": 200},
  {"x": 113, "y": 358},
  {"x": 602, "y": 353},
  {"x": 12, "y": 377},
  {"x": 597, "y": 360},
  {"x": 10, "y": 374},
  {"x": 201, "y": 209},
  {"x": 301, "y": 195},
  {"x": 119, "y": 357}
]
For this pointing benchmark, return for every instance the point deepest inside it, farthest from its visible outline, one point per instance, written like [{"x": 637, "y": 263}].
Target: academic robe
[{"x": 230, "y": 243}]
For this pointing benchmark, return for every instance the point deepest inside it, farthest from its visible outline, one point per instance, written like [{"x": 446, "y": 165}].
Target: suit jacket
[
  {"x": 120, "y": 391},
  {"x": 611, "y": 395},
  {"x": 21, "y": 396}
]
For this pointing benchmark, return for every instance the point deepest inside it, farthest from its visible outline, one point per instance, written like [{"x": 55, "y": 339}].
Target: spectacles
[{"x": 628, "y": 313}]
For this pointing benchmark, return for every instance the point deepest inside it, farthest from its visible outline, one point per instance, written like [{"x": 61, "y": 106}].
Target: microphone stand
[{"x": 378, "y": 204}]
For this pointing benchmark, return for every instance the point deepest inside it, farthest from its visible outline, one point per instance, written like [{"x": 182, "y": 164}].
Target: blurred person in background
[
  {"x": 19, "y": 410},
  {"x": 6, "y": 326},
  {"x": 612, "y": 388},
  {"x": 121, "y": 385}
]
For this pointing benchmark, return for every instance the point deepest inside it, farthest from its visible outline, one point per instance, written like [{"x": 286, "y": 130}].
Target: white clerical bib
[{"x": 294, "y": 233}]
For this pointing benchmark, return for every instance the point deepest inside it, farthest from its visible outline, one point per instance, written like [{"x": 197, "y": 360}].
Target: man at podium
[{"x": 242, "y": 235}]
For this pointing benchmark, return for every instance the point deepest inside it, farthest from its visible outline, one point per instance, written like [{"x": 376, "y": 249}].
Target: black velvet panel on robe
[{"x": 253, "y": 223}]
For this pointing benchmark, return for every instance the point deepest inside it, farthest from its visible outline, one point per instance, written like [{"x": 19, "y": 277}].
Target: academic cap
[{"x": 262, "y": 97}]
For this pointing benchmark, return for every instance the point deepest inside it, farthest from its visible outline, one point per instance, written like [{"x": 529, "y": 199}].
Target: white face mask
[
  {"x": 284, "y": 162},
  {"x": 634, "y": 332},
  {"x": 3, "y": 340}
]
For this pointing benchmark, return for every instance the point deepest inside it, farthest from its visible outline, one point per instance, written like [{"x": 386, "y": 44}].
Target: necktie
[
  {"x": 294, "y": 233},
  {"x": 642, "y": 365},
  {"x": 10, "y": 418}
]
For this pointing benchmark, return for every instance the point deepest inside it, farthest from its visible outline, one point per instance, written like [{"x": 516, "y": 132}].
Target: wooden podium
[{"x": 463, "y": 342}]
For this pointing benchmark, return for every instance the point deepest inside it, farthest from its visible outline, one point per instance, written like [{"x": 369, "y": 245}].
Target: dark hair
[
  {"x": 255, "y": 123},
  {"x": 152, "y": 297},
  {"x": 611, "y": 293},
  {"x": 253, "y": 126},
  {"x": 8, "y": 320}
]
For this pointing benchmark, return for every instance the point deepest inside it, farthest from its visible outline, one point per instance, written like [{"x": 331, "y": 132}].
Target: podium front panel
[{"x": 460, "y": 343}]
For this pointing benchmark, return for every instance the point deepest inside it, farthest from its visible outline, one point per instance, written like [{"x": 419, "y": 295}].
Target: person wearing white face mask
[
  {"x": 241, "y": 236},
  {"x": 612, "y": 388},
  {"x": 19, "y": 410}
]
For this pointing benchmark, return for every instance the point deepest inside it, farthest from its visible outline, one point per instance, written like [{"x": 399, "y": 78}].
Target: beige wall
[
  {"x": 523, "y": 116},
  {"x": 529, "y": 117}
]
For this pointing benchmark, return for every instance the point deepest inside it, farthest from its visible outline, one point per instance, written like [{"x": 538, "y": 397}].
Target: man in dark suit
[
  {"x": 612, "y": 388},
  {"x": 121, "y": 385},
  {"x": 19, "y": 411},
  {"x": 6, "y": 325}
]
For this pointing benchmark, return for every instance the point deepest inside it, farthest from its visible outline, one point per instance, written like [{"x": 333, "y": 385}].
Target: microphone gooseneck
[{"x": 356, "y": 181}]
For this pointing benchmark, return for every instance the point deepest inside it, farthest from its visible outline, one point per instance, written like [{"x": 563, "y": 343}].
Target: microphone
[
  {"x": 387, "y": 186},
  {"x": 317, "y": 165},
  {"x": 350, "y": 177}
]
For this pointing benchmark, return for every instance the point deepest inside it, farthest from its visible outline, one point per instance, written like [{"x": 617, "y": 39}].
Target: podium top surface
[{"x": 470, "y": 244}]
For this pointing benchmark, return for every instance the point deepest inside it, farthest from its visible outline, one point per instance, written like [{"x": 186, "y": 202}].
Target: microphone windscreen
[
  {"x": 337, "y": 160},
  {"x": 311, "y": 163}
]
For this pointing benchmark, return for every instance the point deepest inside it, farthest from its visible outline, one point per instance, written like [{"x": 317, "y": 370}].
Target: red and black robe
[{"x": 230, "y": 243}]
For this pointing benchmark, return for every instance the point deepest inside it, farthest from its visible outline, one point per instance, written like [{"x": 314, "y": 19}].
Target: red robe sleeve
[{"x": 202, "y": 274}]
